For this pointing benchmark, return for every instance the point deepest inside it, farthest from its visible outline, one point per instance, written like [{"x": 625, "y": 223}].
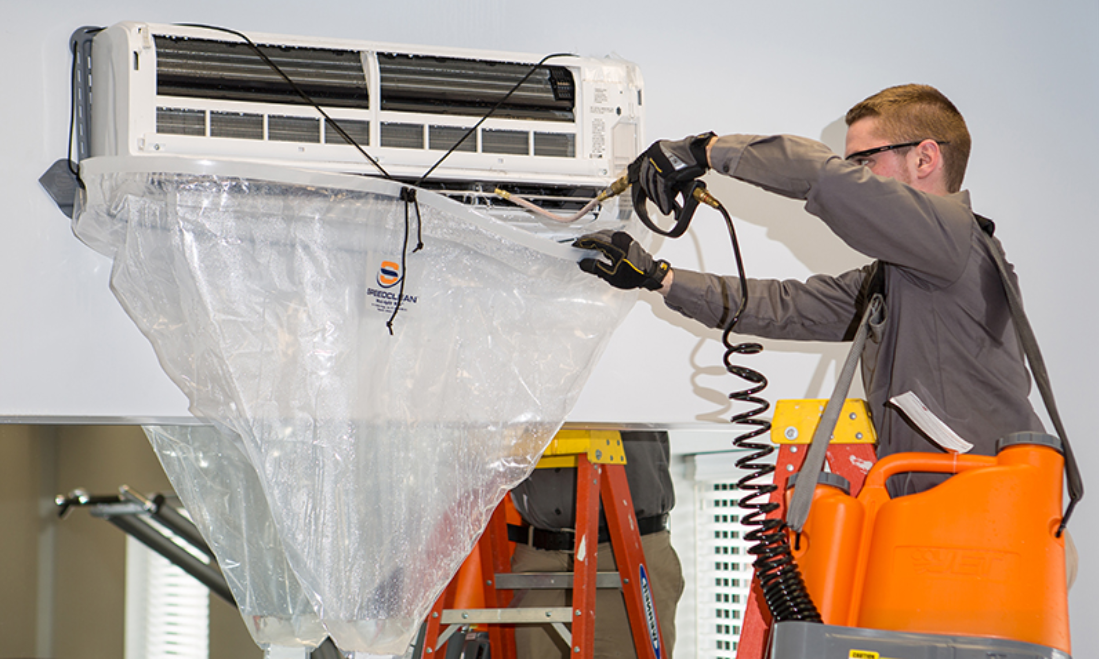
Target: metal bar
[
  {"x": 164, "y": 514},
  {"x": 208, "y": 575},
  {"x": 563, "y": 631},
  {"x": 516, "y": 616},
  {"x": 445, "y": 636},
  {"x": 551, "y": 580},
  {"x": 180, "y": 525}
]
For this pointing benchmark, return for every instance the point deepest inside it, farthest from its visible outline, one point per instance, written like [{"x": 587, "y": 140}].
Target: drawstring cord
[{"x": 408, "y": 196}]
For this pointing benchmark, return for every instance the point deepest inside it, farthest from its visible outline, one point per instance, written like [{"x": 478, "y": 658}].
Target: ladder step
[
  {"x": 488, "y": 616},
  {"x": 550, "y": 580}
]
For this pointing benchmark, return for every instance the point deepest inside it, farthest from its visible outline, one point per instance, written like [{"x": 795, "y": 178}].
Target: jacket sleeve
[
  {"x": 821, "y": 308},
  {"x": 926, "y": 235}
]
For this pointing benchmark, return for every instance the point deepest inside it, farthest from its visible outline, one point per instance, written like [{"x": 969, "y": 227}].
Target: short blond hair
[{"x": 907, "y": 113}]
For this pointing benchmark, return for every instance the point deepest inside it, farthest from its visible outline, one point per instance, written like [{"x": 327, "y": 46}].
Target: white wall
[{"x": 1026, "y": 76}]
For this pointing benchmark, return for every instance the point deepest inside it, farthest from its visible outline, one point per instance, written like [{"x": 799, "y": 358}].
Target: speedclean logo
[
  {"x": 385, "y": 297},
  {"x": 389, "y": 274}
]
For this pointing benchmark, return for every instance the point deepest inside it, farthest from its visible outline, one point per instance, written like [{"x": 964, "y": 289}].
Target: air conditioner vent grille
[
  {"x": 180, "y": 121},
  {"x": 202, "y": 68},
  {"x": 446, "y": 85},
  {"x": 357, "y": 129},
  {"x": 513, "y": 142},
  {"x": 442, "y": 138},
  {"x": 557, "y": 145},
  {"x": 293, "y": 129},
  {"x": 238, "y": 125},
  {"x": 402, "y": 136}
]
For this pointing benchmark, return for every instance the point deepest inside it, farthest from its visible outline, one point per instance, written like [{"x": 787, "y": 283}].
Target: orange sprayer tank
[
  {"x": 826, "y": 550},
  {"x": 976, "y": 555}
]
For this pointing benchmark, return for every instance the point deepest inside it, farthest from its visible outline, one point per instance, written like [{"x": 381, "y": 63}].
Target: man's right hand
[
  {"x": 665, "y": 167},
  {"x": 628, "y": 265}
]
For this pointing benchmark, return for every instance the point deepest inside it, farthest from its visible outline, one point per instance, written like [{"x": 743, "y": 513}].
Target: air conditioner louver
[
  {"x": 232, "y": 71},
  {"x": 412, "y": 83}
]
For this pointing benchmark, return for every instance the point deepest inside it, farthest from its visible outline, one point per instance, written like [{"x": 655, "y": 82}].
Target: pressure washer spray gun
[{"x": 692, "y": 191}]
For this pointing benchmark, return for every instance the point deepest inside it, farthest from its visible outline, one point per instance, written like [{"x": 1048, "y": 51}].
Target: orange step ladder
[{"x": 599, "y": 457}]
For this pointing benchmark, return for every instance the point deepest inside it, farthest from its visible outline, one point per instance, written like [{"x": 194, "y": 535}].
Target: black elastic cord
[
  {"x": 488, "y": 114},
  {"x": 408, "y": 196}
]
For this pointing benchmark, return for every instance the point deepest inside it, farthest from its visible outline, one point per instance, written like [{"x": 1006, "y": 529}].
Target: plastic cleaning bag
[
  {"x": 266, "y": 293},
  {"x": 224, "y": 497}
]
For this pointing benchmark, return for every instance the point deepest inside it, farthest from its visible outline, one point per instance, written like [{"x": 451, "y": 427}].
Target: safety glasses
[{"x": 859, "y": 156}]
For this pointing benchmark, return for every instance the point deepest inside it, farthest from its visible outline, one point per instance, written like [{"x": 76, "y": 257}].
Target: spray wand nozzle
[{"x": 620, "y": 185}]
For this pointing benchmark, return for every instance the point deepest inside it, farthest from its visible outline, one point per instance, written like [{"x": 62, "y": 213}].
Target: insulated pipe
[
  {"x": 613, "y": 190},
  {"x": 531, "y": 206}
]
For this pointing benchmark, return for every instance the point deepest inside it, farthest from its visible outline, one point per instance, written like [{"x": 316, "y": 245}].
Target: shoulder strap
[
  {"x": 802, "y": 501},
  {"x": 1037, "y": 367}
]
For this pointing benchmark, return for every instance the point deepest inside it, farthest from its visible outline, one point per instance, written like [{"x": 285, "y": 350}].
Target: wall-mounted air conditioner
[
  {"x": 324, "y": 322},
  {"x": 192, "y": 91}
]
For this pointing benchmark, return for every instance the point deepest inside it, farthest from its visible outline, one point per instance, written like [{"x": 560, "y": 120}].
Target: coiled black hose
[{"x": 779, "y": 576}]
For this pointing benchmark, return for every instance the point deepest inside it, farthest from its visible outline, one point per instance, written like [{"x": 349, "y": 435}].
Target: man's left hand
[{"x": 629, "y": 266}]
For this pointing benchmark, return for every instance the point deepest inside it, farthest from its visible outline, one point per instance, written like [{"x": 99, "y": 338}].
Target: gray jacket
[{"x": 947, "y": 333}]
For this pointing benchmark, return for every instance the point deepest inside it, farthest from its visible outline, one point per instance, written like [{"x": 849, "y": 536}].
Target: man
[{"x": 947, "y": 333}]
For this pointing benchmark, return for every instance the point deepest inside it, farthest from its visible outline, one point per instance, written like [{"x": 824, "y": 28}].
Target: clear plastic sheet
[{"x": 361, "y": 463}]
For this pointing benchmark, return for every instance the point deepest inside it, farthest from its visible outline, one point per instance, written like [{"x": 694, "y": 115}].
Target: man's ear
[
  {"x": 929, "y": 159},
  {"x": 930, "y": 168}
]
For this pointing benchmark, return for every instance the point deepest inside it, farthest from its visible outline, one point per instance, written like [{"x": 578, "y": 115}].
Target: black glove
[
  {"x": 665, "y": 167},
  {"x": 630, "y": 266}
]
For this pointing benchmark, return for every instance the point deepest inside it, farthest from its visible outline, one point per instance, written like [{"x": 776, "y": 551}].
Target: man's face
[{"x": 862, "y": 136}]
